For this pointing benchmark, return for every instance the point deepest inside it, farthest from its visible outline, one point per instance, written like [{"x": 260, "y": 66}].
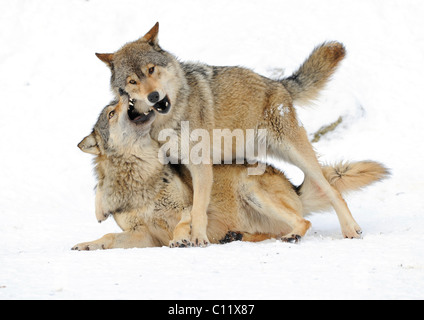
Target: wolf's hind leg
[
  {"x": 273, "y": 197},
  {"x": 232, "y": 236},
  {"x": 258, "y": 237},
  {"x": 288, "y": 140}
]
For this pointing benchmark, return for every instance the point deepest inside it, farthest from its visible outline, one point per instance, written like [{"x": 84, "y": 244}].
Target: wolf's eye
[
  {"x": 111, "y": 114},
  {"x": 133, "y": 82},
  {"x": 151, "y": 70}
]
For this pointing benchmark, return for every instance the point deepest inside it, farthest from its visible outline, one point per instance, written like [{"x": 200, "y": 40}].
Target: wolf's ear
[
  {"x": 106, "y": 58},
  {"x": 89, "y": 145},
  {"x": 152, "y": 36}
]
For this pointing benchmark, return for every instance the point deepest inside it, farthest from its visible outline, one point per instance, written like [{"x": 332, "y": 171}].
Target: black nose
[
  {"x": 153, "y": 97},
  {"x": 122, "y": 92}
]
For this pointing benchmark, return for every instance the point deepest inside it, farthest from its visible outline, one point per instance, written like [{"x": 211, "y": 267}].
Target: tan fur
[
  {"x": 152, "y": 202},
  {"x": 324, "y": 59},
  {"x": 231, "y": 98},
  {"x": 344, "y": 177}
]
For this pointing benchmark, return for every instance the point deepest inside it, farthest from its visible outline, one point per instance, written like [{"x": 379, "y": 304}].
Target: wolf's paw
[
  {"x": 184, "y": 243},
  {"x": 200, "y": 241},
  {"x": 181, "y": 237},
  {"x": 231, "y": 236},
  {"x": 291, "y": 238},
  {"x": 352, "y": 232},
  {"x": 88, "y": 246}
]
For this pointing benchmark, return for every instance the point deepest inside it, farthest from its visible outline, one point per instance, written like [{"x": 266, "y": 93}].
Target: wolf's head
[
  {"x": 119, "y": 130},
  {"x": 144, "y": 72}
]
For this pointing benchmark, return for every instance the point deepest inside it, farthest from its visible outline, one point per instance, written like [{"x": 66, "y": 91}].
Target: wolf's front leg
[
  {"x": 101, "y": 213},
  {"x": 181, "y": 236},
  {"x": 127, "y": 239},
  {"x": 202, "y": 176}
]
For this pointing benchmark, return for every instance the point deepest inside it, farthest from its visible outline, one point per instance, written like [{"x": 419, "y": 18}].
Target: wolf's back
[
  {"x": 344, "y": 177},
  {"x": 305, "y": 84}
]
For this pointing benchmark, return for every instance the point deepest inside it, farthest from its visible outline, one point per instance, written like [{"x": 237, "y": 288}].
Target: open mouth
[
  {"x": 163, "y": 106},
  {"x": 137, "y": 117}
]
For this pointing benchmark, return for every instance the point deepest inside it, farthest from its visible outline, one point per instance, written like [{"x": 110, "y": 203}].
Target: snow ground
[{"x": 53, "y": 87}]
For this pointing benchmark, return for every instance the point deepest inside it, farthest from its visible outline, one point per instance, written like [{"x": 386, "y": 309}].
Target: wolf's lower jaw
[
  {"x": 137, "y": 117},
  {"x": 132, "y": 102}
]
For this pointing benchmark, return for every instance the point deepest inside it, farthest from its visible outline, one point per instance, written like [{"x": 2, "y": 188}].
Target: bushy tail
[
  {"x": 305, "y": 84},
  {"x": 344, "y": 177}
]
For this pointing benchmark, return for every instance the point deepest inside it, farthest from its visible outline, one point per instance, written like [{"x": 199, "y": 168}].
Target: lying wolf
[
  {"x": 151, "y": 202},
  {"x": 233, "y": 98}
]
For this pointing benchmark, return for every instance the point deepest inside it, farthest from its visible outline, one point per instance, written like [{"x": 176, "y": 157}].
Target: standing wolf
[
  {"x": 231, "y": 98},
  {"x": 151, "y": 202}
]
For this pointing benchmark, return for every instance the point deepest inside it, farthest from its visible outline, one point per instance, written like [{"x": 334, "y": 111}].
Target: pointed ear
[
  {"x": 89, "y": 145},
  {"x": 106, "y": 58},
  {"x": 152, "y": 36}
]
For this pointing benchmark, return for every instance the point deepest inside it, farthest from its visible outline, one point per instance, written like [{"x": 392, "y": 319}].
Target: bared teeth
[{"x": 131, "y": 102}]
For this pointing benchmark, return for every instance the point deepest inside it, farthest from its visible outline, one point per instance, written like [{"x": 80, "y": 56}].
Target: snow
[
  {"x": 283, "y": 110},
  {"x": 53, "y": 87}
]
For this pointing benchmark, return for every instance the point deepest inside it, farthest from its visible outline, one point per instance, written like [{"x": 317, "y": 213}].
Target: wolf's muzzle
[{"x": 122, "y": 92}]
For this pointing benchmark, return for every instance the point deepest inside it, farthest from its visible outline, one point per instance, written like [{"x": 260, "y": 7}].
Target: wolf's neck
[{"x": 141, "y": 162}]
